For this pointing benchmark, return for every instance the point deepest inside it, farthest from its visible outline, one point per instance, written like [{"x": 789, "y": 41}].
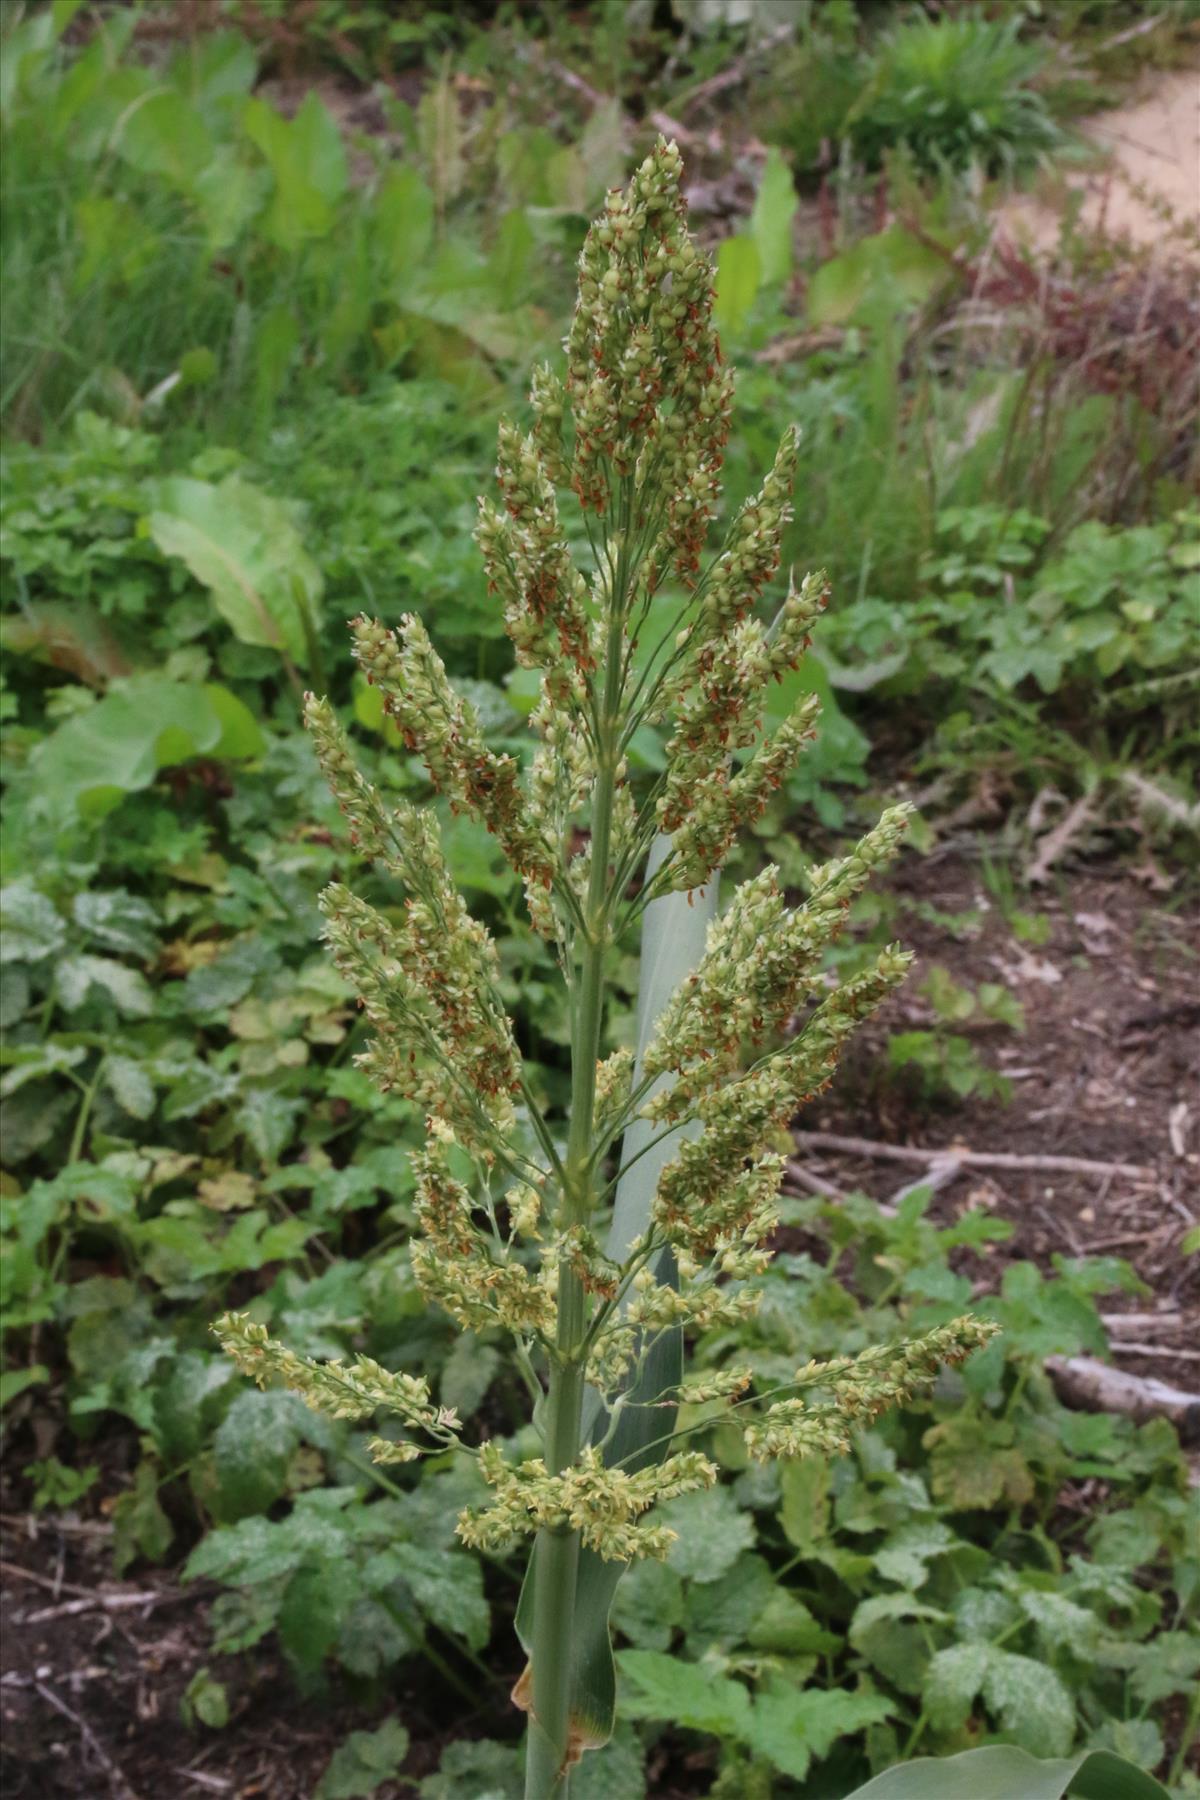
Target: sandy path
[{"x": 1152, "y": 148}]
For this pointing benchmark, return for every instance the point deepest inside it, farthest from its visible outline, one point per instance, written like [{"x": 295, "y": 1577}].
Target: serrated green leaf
[
  {"x": 484, "y": 1769},
  {"x": 205, "y": 1700},
  {"x": 1030, "y": 1702},
  {"x": 983, "y": 1613},
  {"x": 618, "y": 1772},
  {"x": 905, "y": 1556},
  {"x": 804, "y": 1507},
  {"x": 187, "y": 1401},
  {"x": 1168, "y": 1664},
  {"x": 713, "y": 1532},
  {"x": 373, "y": 1639},
  {"x": 975, "y": 1463},
  {"x": 691, "y": 1695},
  {"x": 15, "y": 995},
  {"x": 361, "y": 1765},
  {"x": 118, "y": 920},
  {"x": 140, "y": 1526},
  {"x": 1027, "y": 1698},
  {"x": 1060, "y": 1621},
  {"x": 31, "y": 927},
  {"x": 722, "y": 1612},
  {"x": 242, "y": 1619},
  {"x": 252, "y": 1448},
  {"x": 649, "y": 1605},
  {"x": 792, "y": 1726},
  {"x": 311, "y": 1611},
  {"x": 953, "y": 1679},
  {"x": 784, "y": 1626},
  {"x": 130, "y": 1086},
  {"x": 256, "y": 1551},
  {"x": 447, "y": 1585},
  {"x": 76, "y": 979},
  {"x": 268, "y": 1117}
]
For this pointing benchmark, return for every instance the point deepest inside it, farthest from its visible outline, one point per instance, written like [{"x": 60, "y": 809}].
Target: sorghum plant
[{"x": 596, "y": 1301}]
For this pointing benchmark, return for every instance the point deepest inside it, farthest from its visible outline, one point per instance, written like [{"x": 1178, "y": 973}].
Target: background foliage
[{"x": 255, "y": 349}]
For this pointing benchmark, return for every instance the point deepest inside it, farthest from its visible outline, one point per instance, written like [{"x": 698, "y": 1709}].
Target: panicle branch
[
  {"x": 355, "y": 1390},
  {"x": 445, "y": 728},
  {"x": 479, "y": 1283},
  {"x": 860, "y": 1388}
]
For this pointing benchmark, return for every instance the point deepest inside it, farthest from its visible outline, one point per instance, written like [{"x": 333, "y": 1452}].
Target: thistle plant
[{"x": 598, "y": 1245}]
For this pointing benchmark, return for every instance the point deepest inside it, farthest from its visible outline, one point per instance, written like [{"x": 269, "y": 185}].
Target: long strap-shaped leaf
[
  {"x": 1002, "y": 1772},
  {"x": 674, "y": 931}
]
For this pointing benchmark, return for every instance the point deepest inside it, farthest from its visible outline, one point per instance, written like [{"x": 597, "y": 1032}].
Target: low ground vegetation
[{"x": 263, "y": 318}]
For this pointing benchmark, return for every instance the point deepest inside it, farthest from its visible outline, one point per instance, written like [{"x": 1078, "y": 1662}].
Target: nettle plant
[{"x": 597, "y": 1248}]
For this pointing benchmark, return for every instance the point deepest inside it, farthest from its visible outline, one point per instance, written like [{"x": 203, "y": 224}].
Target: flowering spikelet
[
  {"x": 548, "y": 399},
  {"x": 479, "y": 1283},
  {"x": 722, "y": 805},
  {"x": 860, "y": 1388},
  {"x": 707, "y": 1197},
  {"x": 760, "y": 963},
  {"x": 645, "y": 380},
  {"x": 426, "y": 985},
  {"x": 371, "y": 830},
  {"x": 751, "y": 553},
  {"x": 529, "y": 565},
  {"x": 445, "y": 728},
  {"x": 354, "y": 1390},
  {"x": 602, "y": 1504},
  {"x": 718, "y": 700}
]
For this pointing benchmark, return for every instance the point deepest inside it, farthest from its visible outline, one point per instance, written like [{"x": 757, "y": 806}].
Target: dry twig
[{"x": 968, "y": 1159}]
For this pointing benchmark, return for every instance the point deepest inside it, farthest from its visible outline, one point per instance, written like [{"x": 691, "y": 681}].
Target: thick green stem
[
  {"x": 556, "y": 1563},
  {"x": 556, "y": 1553}
]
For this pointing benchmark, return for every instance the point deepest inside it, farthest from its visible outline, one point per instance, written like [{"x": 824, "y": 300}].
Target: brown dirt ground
[{"x": 1108, "y": 1068}]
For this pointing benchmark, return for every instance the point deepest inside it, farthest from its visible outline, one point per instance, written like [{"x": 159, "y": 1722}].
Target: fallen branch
[
  {"x": 118, "y": 1598},
  {"x": 1167, "y": 1350},
  {"x": 968, "y": 1159},
  {"x": 1133, "y": 31},
  {"x": 1081, "y": 1381},
  {"x": 107, "y": 1602},
  {"x": 938, "y": 1175},
  {"x": 738, "y": 69},
  {"x": 816, "y": 1184},
  {"x": 575, "y": 84},
  {"x": 1140, "y": 1321},
  {"x": 1059, "y": 839}
]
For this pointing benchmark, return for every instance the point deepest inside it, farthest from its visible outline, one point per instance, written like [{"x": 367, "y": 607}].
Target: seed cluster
[
  {"x": 859, "y": 1389},
  {"x": 602, "y": 1504}
]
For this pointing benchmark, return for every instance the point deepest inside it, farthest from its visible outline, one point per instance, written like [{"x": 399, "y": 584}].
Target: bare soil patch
[
  {"x": 1147, "y": 174},
  {"x": 1106, "y": 1070}
]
